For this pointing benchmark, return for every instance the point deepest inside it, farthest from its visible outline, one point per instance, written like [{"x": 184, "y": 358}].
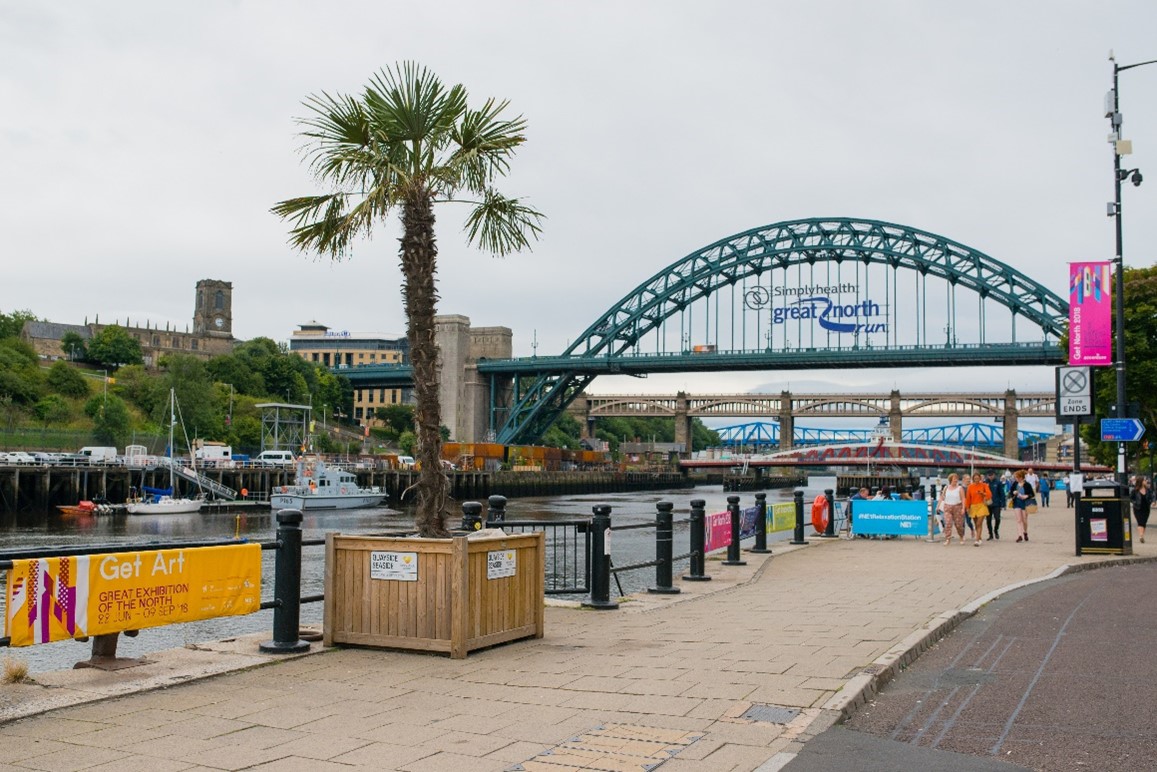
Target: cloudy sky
[{"x": 142, "y": 145}]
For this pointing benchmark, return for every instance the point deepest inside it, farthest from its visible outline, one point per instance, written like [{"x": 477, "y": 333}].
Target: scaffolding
[{"x": 284, "y": 426}]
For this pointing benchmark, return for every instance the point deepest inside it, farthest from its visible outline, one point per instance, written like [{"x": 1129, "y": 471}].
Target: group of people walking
[{"x": 978, "y": 503}]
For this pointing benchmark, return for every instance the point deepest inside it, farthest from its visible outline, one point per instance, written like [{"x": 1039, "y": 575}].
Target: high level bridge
[
  {"x": 810, "y": 294},
  {"x": 786, "y": 406}
]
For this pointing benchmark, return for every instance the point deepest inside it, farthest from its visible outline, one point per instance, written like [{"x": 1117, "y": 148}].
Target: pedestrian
[
  {"x": 860, "y": 495},
  {"x": 1068, "y": 480},
  {"x": 1024, "y": 502},
  {"x": 976, "y": 499},
  {"x": 1142, "y": 497},
  {"x": 999, "y": 496},
  {"x": 952, "y": 505},
  {"x": 1045, "y": 486},
  {"x": 1031, "y": 478}
]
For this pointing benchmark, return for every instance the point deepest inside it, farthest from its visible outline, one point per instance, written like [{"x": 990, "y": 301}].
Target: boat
[
  {"x": 87, "y": 508},
  {"x": 161, "y": 501},
  {"x": 319, "y": 486}
]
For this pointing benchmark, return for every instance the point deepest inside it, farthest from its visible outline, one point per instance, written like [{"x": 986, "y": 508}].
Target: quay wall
[{"x": 39, "y": 488}]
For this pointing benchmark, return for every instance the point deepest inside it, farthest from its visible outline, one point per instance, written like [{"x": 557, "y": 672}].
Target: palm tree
[{"x": 407, "y": 143}]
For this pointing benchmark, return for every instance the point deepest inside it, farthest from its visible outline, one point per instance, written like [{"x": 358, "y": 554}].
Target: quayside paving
[{"x": 732, "y": 674}]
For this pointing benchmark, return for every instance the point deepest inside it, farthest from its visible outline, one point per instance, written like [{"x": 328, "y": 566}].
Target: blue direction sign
[{"x": 1121, "y": 430}]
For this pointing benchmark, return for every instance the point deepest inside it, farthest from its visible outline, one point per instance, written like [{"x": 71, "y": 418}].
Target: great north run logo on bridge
[{"x": 818, "y": 305}]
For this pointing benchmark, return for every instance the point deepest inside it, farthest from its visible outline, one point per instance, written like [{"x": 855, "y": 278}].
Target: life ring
[
  {"x": 344, "y": 490},
  {"x": 820, "y": 514},
  {"x": 283, "y": 489}
]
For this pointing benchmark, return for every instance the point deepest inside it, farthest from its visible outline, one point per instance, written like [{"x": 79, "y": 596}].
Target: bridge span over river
[{"x": 809, "y": 294}]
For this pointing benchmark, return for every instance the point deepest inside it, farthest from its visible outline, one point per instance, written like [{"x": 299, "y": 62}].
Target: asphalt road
[{"x": 1057, "y": 676}]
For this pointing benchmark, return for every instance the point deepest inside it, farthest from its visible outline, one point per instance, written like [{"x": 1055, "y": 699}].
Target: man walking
[{"x": 998, "y": 494}]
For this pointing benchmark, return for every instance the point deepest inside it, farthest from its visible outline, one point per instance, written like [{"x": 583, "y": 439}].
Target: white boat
[
  {"x": 159, "y": 503},
  {"x": 317, "y": 486}
]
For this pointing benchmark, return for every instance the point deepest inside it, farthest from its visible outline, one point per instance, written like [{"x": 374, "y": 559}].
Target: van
[
  {"x": 214, "y": 454},
  {"x": 96, "y": 454},
  {"x": 274, "y": 458},
  {"x": 406, "y": 462}
]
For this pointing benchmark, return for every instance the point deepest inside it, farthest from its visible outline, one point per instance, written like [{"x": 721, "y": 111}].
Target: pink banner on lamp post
[{"x": 1090, "y": 314}]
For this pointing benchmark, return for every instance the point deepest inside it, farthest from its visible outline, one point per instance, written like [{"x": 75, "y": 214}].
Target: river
[{"x": 52, "y": 529}]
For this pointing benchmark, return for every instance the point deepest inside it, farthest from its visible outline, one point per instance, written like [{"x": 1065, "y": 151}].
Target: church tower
[{"x": 213, "y": 314}]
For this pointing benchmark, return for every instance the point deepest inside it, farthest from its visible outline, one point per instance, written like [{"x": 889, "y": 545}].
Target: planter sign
[
  {"x": 501, "y": 564},
  {"x": 394, "y": 566}
]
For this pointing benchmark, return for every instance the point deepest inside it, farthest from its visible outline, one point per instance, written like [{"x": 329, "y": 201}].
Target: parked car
[{"x": 20, "y": 457}]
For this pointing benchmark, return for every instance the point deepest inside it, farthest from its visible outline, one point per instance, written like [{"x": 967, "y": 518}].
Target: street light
[{"x": 1120, "y": 147}]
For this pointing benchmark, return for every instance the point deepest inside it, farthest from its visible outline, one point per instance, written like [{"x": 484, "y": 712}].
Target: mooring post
[
  {"x": 698, "y": 543},
  {"x": 496, "y": 515},
  {"x": 664, "y": 550},
  {"x": 830, "y": 531},
  {"x": 733, "y": 547},
  {"x": 798, "y": 535},
  {"x": 471, "y": 516},
  {"x": 287, "y": 587},
  {"x": 760, "y": 547},
  {"x": 600, "y": 560}
]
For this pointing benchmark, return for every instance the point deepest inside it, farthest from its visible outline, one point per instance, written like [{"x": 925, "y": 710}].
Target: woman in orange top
[{"x": 976, "y": 500}]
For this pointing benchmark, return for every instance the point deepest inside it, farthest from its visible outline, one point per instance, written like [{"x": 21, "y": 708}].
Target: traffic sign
[
  {"x": 1121, "y": 430},
  {"x": 1074, "y": 393}
]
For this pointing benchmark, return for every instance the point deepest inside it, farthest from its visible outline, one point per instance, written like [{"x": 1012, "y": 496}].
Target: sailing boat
[{"x": 165, "y": 503}]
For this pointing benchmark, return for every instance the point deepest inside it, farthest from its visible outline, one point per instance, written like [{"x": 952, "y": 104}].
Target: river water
[{"x": 133, "y": 532}]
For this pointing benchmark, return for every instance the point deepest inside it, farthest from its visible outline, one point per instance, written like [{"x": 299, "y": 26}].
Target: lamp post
[{"x": 1120, "y": 147}]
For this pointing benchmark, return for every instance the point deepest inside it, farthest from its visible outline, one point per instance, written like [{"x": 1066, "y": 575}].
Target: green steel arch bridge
[{"x": 811, "y": 294}]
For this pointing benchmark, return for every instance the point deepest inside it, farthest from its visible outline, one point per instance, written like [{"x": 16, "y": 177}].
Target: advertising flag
[{"x": 1090, "y": 314}]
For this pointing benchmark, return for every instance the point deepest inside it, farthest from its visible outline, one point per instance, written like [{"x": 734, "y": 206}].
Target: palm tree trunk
[{"x": 419, "y": 256}]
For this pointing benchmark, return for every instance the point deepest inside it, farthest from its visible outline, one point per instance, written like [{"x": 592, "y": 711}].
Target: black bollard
[
  {"x": 698, "y": 543},
  {"x": 664, "y": 550},
  {"x": 798, "y": 535},
  {"x": 733, "y": 547},
  {"x": 600, "y": 568},
  {"x": 471, "y": 516},
  {"x": 496, "y": 515},
  {"x": 830, "y": 531},
  {"x": 287, "y": 587},
  {"x": 760, "y": 547}
]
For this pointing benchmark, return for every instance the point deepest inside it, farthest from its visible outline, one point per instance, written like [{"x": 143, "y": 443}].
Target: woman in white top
[{"x": 952, "y": 505}]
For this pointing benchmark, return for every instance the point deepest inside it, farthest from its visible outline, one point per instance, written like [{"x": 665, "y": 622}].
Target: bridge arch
[{"x": 839, "y": 275}]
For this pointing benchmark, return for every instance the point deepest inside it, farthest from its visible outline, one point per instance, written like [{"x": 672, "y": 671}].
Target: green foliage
[
  {"x": 616, "y": 430},
  {"x": 397, "y": 419},
  {"x": 67, "y": 381},
  {"x": 113, "y": 347},
  {"x": 52, "y": 409},
  {"x": 12, "y": 324},
  {"x": 406, "y": 441},
  {"x": 21, "y": 380},
  {"x": 110, "y": 419},
  {"x": 73, "y": 346},
  {"x": 565, "y": 432}
]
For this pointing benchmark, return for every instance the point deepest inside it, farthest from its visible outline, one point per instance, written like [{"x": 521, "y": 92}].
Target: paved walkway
[{"x": 734, "y": 674}]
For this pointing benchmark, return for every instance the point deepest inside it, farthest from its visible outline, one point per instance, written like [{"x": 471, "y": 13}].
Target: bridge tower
[
  {"x": 786, "y": 421},
  {"x": 1011, "y": 425},
  {"x": 463, "y": 391},
  {"x": 895, "y": 417},
  {"x": 683, "y": 422}
]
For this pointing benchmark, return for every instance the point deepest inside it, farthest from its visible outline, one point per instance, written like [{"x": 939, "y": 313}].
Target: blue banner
[{"x": 890, "y": 518}]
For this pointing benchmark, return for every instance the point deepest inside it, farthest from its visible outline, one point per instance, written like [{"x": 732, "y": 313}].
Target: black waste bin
[{"x": 1103, "y": 524}]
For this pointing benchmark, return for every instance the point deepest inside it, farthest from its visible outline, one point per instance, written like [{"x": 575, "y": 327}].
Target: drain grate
[
  {"x": 616, "y": 747},
  {"x": 771, "y": 714}
]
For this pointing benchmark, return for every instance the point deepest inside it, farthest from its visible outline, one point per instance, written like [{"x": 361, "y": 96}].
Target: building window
[
  {"x": 315, "y": 356},
  {"x": 358, "y": 413},
  {"x": 370, "y": 396},
  {"x": 393, "y": 396},
  {"x": 156, "y": 340},
  {"x": 193, "y": 344},
  {"x": 219, "y": 300}
]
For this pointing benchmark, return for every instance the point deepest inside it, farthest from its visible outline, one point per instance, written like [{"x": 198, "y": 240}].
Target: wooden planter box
[{"x": 444, "y": 595}]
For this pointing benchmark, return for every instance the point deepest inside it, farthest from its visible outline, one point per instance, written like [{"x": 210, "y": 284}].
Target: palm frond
[
  {"x": 502, "y": 225},
  {"x": 485, "y": 144}
]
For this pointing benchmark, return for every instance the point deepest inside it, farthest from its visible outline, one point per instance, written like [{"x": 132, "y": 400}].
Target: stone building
[{"x": 211, "y": 333}]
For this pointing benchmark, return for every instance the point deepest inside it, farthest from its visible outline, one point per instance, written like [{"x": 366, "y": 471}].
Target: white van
[
  {"x": 406, "y": 462},
  {"x": 214, "y": 454},
  {"x": 99, "y": 454},
  {"x": 274, "y": 458}
]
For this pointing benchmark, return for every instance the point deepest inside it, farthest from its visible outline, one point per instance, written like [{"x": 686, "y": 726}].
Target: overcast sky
[{"x": 143, "y": 143}]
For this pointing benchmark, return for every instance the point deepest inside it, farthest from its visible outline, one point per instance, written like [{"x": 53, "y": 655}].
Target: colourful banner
[
  {"x": 781, "y": 517},
  {"x": 718, "y": 528},
  {"x": 53, "y": 599},
  {"x": 888, "y": 517},
  {"x": 1090, "y": 314}
]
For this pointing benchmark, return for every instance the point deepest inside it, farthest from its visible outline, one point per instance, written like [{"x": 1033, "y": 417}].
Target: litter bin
[{"x": 1103, "y": 524}]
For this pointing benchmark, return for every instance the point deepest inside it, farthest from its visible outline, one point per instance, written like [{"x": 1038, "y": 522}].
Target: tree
[
  {"x": 65, "y": 380},
  {"x": 73, "y": 346},
  {"x": 397, "y": 418},
  {"x": 53, "y": 409},
  {"x": 113, "y": 347},
  {"x": 405, "y": 144},
  {"x": 110, "y": 418},
  {"x": 11, "y": 325}
]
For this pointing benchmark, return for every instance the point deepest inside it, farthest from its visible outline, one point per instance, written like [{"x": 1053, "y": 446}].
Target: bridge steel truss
[
  {"x": 743, "y": 263},
  {"x": 976, "y": 434}
]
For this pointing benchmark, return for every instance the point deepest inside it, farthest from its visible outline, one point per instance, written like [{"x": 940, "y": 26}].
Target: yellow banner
[
  {"x": 53, "y": 599},
  {"x": 781, "y": 517}
]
